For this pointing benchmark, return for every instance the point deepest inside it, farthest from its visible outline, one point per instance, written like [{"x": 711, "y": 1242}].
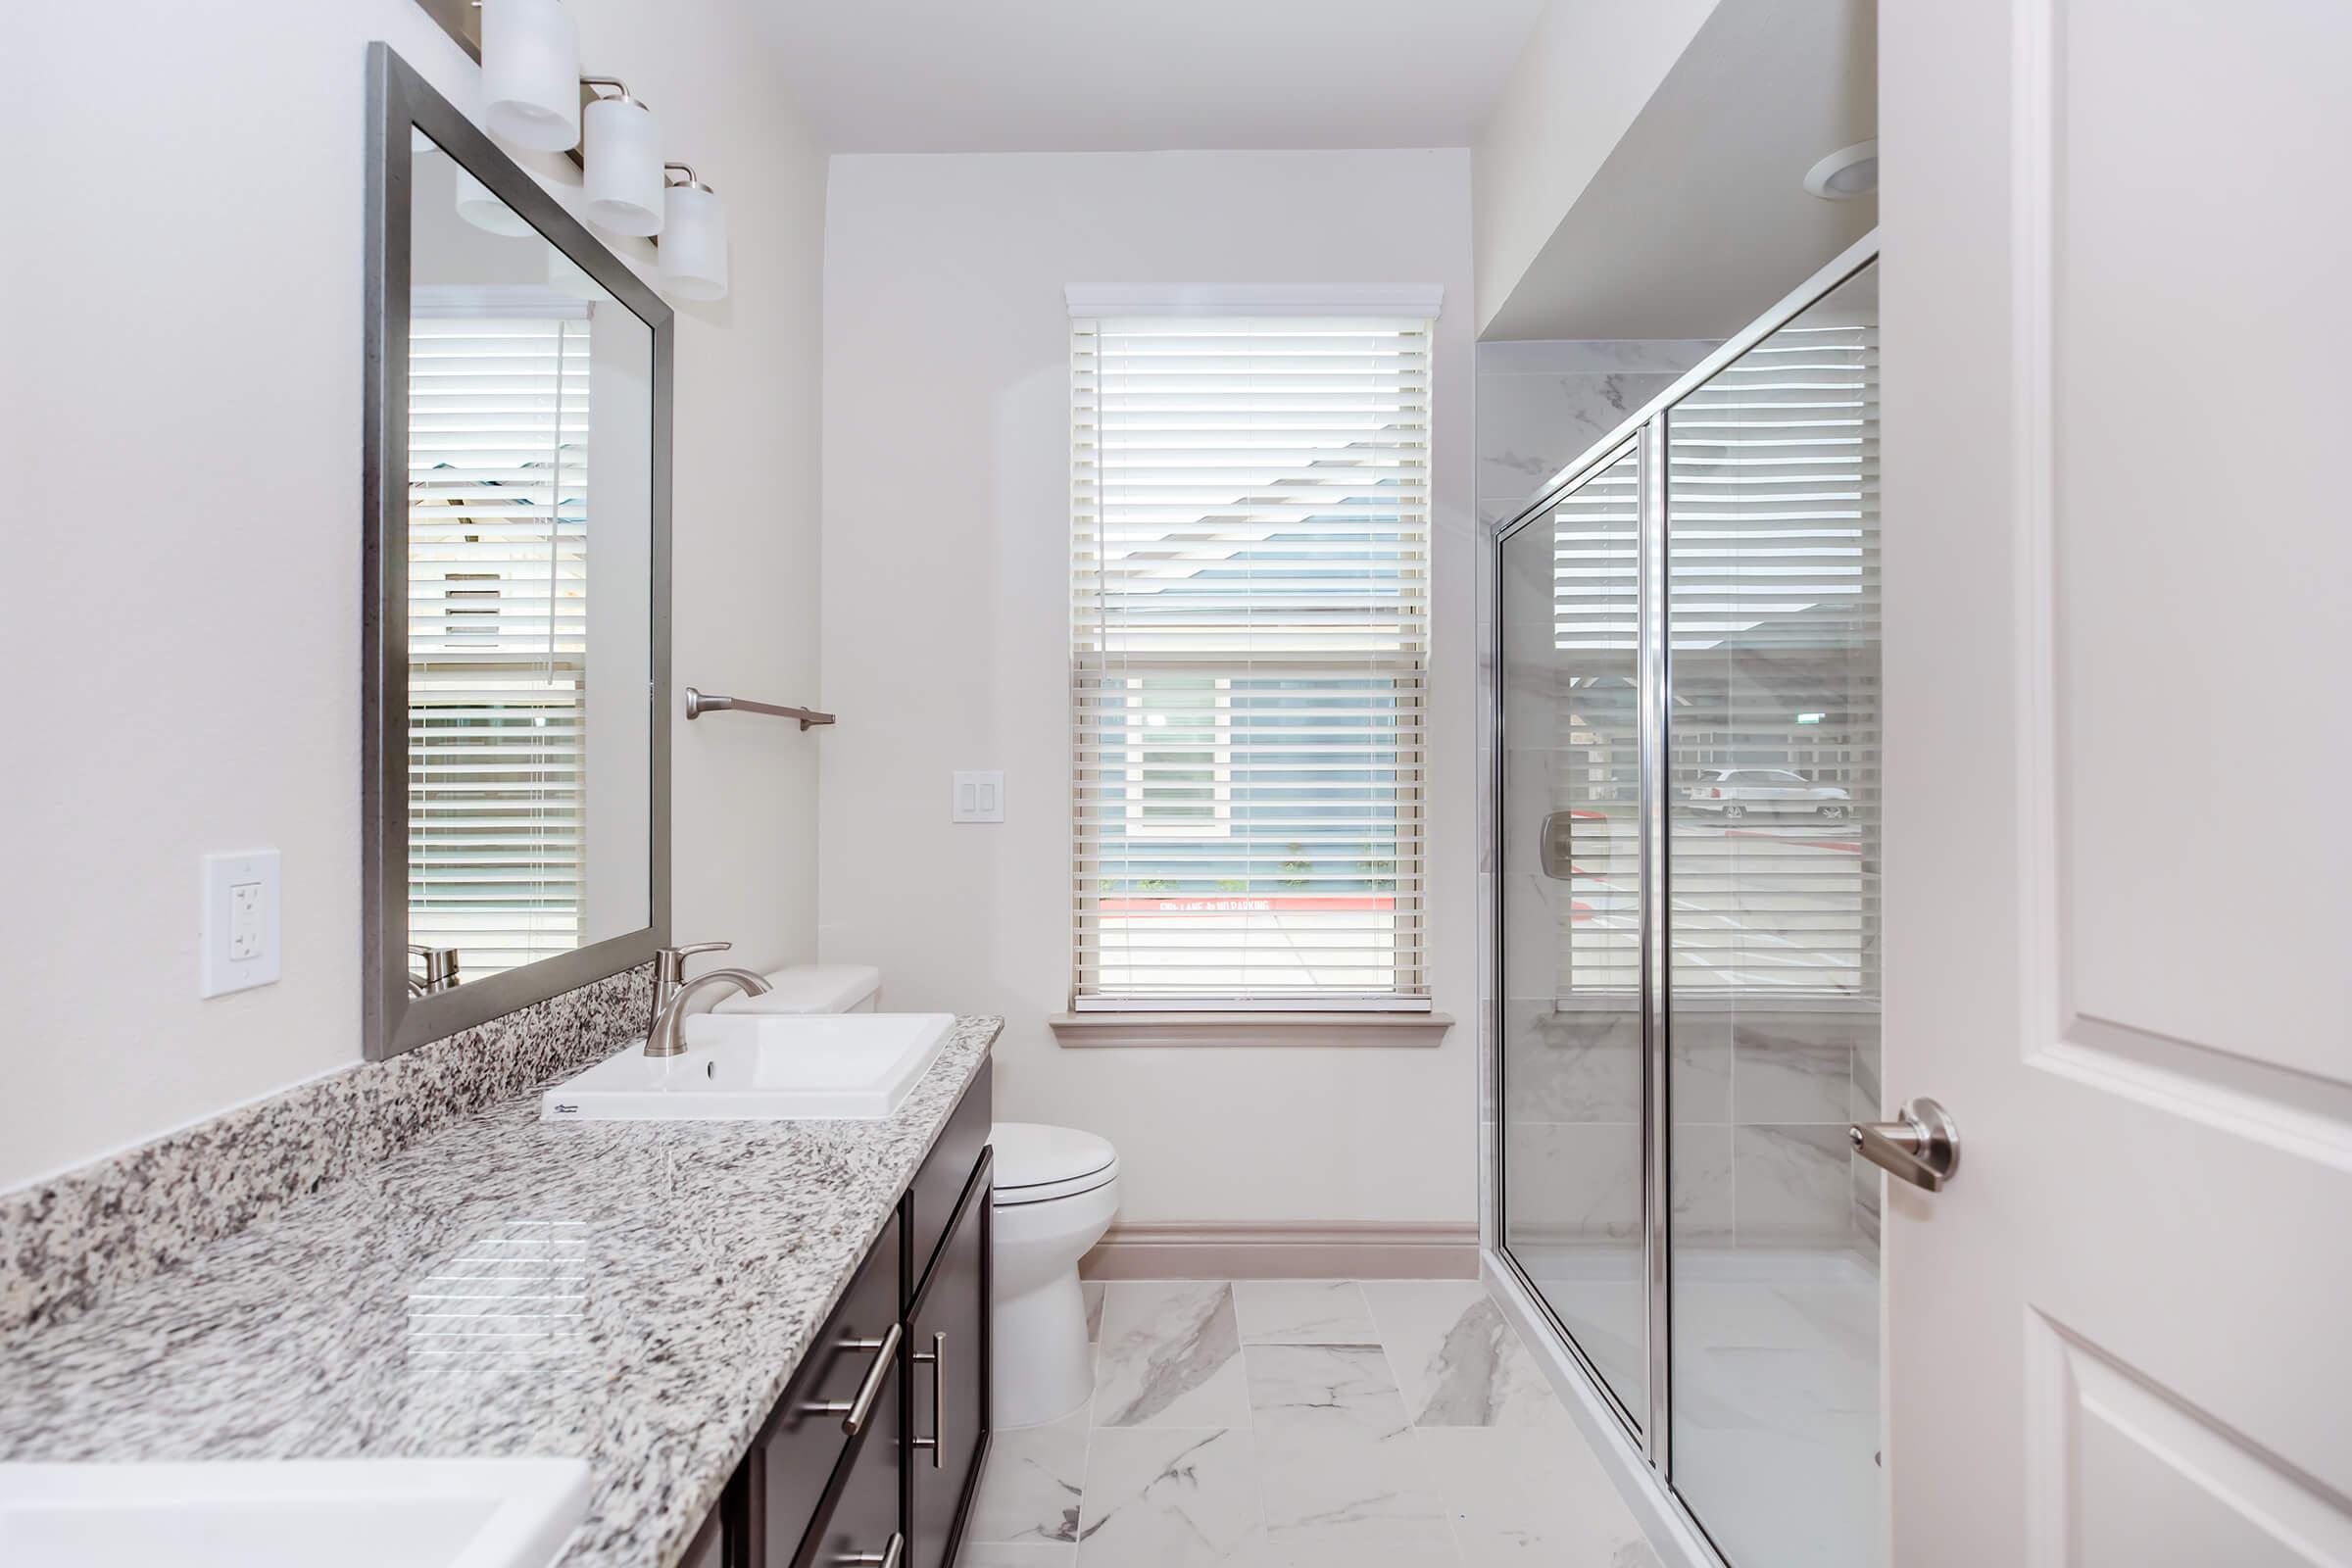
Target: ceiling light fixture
[{"x": 1846, "y": 173}]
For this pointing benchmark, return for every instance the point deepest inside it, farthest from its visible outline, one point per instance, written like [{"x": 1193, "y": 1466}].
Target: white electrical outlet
[
  {"x": 238, "y": 948},
  {"x": 244, "y": 922},
  {"x": 979, "y": 798}
]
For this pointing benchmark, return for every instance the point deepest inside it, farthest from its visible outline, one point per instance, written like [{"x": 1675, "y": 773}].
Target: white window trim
[
  {"x": 1326, "y": 1027},
  {"x": 1422, "y": 300}
]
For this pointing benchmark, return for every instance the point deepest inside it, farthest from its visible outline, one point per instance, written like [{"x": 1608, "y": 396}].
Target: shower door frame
[{"x": 1644, "y": 430}]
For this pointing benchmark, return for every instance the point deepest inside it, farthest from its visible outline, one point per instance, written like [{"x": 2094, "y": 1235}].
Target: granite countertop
[{"x": 633, "y": 1293}]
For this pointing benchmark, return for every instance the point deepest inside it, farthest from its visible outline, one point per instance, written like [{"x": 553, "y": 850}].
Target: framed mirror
[{"x": 515, "y": 748}]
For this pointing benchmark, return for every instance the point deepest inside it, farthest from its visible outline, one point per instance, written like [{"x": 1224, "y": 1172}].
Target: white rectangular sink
[
  {"x": 846, "y": 1067},
  {"x": 292, "y": 1513}
]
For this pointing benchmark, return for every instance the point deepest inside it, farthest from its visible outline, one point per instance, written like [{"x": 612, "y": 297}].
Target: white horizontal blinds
[
  {"x": 1593, "y": 762},
  {"x": 498, "y": 569},
  {"x": 1775, "y": 626},
  {"x": 1249, "y": 651}
]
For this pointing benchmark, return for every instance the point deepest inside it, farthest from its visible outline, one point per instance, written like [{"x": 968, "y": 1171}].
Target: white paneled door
[{"x": 2118, "y": 338}]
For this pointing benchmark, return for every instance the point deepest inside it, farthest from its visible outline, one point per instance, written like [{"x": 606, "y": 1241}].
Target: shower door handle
[
  {"x": 1922, "y": 1148},
  {"x": 1556, "y": 846}
]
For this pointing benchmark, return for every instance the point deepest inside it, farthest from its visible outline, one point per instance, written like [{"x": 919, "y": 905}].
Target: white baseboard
[
  {"x": 1677, "y": 1540},
  {"x": 1283, "y": 1249}
]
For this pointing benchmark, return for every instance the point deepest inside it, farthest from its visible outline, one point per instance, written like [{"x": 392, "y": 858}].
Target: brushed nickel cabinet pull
[
  {"x": 854, "y": 1411},
  {"x": 937, "y": 1357},
  {"x": 876, "y": 1559}
]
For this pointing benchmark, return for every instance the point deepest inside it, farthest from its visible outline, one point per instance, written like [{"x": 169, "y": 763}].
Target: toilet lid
[{"x": 1035, "y": 1163}]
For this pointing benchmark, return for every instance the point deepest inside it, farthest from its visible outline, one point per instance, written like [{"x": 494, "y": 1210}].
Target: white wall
[
  {"x": 946, "y": 642},
  {"x": 180, "y": 635},
  {"x": 1587, "y": 71}
]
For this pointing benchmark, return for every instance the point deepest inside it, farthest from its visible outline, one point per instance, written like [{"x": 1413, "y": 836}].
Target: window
[
  {"x": 498, "y": 559},
  {"x": 1249, "y": 660}
]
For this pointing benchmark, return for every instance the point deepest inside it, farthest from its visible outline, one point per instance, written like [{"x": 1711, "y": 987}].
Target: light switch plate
[
  {"x": 238, "y": 948},
  {"x": 979, "y": 798}
]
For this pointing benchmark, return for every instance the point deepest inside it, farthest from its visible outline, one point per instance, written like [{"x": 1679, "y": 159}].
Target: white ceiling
[
  {"x": 1699, "y": 220},
  {"x": 1121, "y": 76}
]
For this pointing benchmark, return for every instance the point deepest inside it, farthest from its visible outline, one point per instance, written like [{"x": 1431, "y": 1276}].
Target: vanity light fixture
[
  {"x": 621, "y": 151},
  {"x": 531, "y": 74},
  {"x": 693, "y": 260},
  {"x": 486, "y": 212}
]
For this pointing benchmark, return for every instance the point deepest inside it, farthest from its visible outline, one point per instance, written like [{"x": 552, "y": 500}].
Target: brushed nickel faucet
[
  {"x": 672, "y": 991},
  {"x": 440, "y": 969}
]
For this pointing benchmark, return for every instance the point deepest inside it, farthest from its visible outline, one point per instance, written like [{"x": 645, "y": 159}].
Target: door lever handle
[{"x": 1923, "y": 1147}]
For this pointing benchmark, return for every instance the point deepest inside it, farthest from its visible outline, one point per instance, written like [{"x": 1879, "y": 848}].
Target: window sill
[{"x": 1083, "y": 1029}]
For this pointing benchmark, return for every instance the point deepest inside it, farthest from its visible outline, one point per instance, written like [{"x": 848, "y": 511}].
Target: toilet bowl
[{"x": 1057, "y": 1189}]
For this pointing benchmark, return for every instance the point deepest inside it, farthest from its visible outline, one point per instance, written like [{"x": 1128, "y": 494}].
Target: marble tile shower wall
[
  {"x": 1542, "y": 406},
  {"x": 1761, "y": 1102},
  {"x": 1762, "y": 1099}
]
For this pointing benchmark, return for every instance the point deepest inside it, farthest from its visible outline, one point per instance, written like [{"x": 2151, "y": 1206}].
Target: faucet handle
[
  {"x": 669, "y": 966},
  {"x": 673, "y": 959}
]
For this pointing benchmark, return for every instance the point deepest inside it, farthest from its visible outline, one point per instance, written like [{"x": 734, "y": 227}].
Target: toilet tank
[{"x": 814, "y": 987}]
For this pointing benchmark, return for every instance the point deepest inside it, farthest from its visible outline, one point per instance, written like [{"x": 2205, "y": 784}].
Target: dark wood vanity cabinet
[
  {"x": 860, "y": 1520},
  {"x": 948, "y": 1397},
  {"x": 851, "y": 1369},
  {"x": 909, "y": 1347}
]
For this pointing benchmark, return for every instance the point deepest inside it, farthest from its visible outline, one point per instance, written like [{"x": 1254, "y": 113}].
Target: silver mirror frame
[{"x": 394, "y": 1020}]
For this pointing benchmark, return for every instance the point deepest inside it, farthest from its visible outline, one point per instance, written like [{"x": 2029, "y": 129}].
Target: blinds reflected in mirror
[
  {"x": 1249, "y": 652},
  {"x": 498, "y": 633},
  {"x": 517, "y": 1292}
]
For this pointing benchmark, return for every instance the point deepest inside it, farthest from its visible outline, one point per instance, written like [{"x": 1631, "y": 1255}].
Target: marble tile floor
[
  {"x": 1302, "y": 1424},
  {"x": 1776, "y": 1387}
]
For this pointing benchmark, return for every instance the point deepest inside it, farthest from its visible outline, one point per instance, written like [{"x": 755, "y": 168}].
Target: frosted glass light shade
[
  {"x": 484, "y": 210},
  {"x": 693, "y": 262},
  {"x": 622, "y": 148},
  {"x": 531, "y": 74}
]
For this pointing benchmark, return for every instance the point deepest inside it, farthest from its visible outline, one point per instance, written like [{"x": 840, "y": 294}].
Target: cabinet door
[
  {"x": 858, "y": 1522},
  {"x": 948, "y": 1386},
  {"x": 934, "y": 1199}
]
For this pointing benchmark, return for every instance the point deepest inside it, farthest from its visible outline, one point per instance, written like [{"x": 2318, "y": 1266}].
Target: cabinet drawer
[
  {"x": 858, "y": 1522},
  {"x": 948, "y": 1366},
  {"x": 939, "y": 1184},
  {"x": 796, "y": 1455}
]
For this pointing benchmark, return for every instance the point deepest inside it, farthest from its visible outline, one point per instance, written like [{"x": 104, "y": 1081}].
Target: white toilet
[
  {"x": 1057, "y": 1190},
  {"x": 813, "y": 988}
]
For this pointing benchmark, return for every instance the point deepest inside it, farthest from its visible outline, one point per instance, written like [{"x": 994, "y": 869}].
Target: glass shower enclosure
[{"x": 1686, "y": 964}]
